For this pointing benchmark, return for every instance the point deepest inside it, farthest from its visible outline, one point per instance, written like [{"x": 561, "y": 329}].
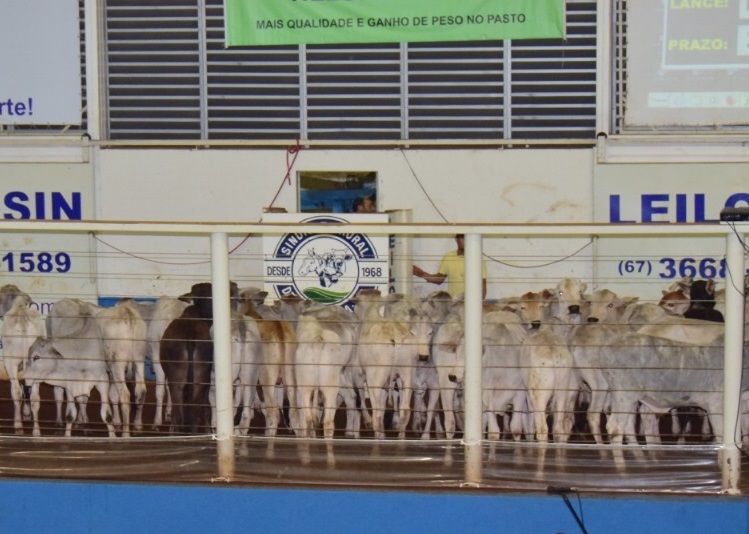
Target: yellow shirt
[{"x": 454, "y": 267}]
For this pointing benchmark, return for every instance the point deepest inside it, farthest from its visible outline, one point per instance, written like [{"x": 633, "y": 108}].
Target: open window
[{"x": 335, "y": 191}]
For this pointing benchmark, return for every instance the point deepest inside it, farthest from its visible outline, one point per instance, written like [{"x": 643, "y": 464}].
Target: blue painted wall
[{"x": 126, "y": 508}]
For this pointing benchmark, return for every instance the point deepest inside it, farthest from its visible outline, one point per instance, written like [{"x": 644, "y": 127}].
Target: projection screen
[{"x": 687, "y": 63}]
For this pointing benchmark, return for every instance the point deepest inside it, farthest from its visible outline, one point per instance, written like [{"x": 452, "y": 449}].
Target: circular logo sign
[{"x": 325, "y": 268}]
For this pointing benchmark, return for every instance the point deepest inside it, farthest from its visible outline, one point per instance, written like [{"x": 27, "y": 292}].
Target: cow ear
[
  {"x": 710, "y": 286},
  {"x": 685, "y": 283}
]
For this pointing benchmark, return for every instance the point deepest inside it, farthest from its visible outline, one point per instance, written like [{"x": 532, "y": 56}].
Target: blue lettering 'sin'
[{"x": 20, "y": 205}]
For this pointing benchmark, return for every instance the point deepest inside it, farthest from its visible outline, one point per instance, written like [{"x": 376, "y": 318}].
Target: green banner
[{"x": 283, "y": 22}]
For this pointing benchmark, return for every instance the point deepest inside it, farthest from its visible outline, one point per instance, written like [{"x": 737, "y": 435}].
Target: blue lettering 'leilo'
[
  {"x": 738, "y": 200},
  {"x": 43, "y": 205},
  {"x": 682, "y": 209},
  {"x": 615, "y": 209},
  {"x": 663, "y": 207},
  {"x": 650, "y": 206}
]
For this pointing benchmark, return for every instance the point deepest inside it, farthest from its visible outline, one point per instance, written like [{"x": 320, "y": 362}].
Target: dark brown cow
[{"x": 186, "y": 354}]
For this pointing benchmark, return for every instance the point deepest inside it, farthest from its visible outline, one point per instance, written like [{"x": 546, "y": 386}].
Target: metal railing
[{"x": 218, "y": 233}]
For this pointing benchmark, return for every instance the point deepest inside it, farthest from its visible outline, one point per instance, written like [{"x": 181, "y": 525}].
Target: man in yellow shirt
[{"x": 453, "y": 269}]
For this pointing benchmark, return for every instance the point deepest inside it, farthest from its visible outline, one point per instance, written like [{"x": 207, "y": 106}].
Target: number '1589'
[{"x": 36, "y": 262}]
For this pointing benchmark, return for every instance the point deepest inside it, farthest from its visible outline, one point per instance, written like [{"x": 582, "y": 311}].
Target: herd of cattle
[{"x": 547, "y": 355}]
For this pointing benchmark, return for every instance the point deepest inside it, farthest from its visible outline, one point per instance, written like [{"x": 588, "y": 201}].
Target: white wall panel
[{"x": 458, "y": 186}]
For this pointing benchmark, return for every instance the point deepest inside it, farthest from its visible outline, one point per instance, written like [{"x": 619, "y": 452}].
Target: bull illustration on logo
[{"x": 329, "y": 266}]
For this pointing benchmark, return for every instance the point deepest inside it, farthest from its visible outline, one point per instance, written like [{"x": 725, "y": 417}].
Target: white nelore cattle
[
  {"x": 548, "y": 372},
  {"x": 77, "y": 376},
  {"x": 682, "y": 329},
  {"x": 123, "y": 335},
  {"x": 392, "y": 338},
  {"x": 165, "y": 310},
  {"x": 662, "y": 374},
  {"x": 117, "y": 337},
  {"x": 246, "y": 359},
  {"x": 503, "y": 384},
  {"x": 324, "y": 359},
  {"x": 450, "y": 368},
  {"x": 437, "y": 306},
  {"x": 270, "y": 345},
  {"x": 21, "y": 326},
  {"x": 605, "y": 321}
]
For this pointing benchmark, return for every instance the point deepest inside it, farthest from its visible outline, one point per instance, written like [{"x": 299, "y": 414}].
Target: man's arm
[{"x": 436, "y": 278}]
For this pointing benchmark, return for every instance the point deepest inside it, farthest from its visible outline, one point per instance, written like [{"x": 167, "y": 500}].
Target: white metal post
[
  {"x": 94, "y": 45},
  {"x": 472, "y": 382},
  {"x": 222, "y": 354},
  {"x": 732, "y": 366}
]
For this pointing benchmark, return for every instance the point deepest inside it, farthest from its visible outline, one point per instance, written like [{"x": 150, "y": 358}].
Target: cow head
[
  {"x": 702, "y": 294},
  {"x": 8, "y": 294},
  {"x": 569, "y": 298},
  {"x": 202, "y": 301},
  {"x": 604, "y": 306},
  {"x": 533, "y": 307},
  {"x": 41, "y": 361},
  {"x": 674, "y": 302}
]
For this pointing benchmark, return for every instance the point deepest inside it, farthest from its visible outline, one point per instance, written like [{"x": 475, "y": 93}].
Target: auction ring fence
[{"x": 539, "y": 434}]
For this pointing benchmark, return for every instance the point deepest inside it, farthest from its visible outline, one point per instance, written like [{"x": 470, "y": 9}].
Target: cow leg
[
  {"x": 114, "y": 401},
  {"x": 119, "y": 380},
  {"x": 59, "y": 394},
  {"x": 34, "y": 402},
  {"x": 307, "y": 397},
  {"x": 539, "y": 394},
  {"x": 394, "y": 396},
  {"x": 489, "y": 420},
  {"x": 405, "y": 408},
  {"x": 347, "y": 396},
  {"x": 620, "y": 423},
  {"x": 139, "y": 371},
  {"x": 160, "y": 391},
  {"x": 365, "y": 413},
  {"x": 272, "y": 409},
  {"x": 649, "y": 420},
  {"x": 243, "y": 428},
  {"x": 379, "y": 401},
  {"x": 429, "y": 415},
  {"x": 71, "y": 414},
  {"x": 564, "y": 405},
  {"x": 593, "y": 415},
  {"x": 105, "y": 409},
  {"x": 82, "y": 406},
  {"x": 447, "y": 396},
  {"x": 176, "y": 392},
  {"x": 520, "y": 424},
  {"x": 16, "y": 393},
  {"x": 418, "y": 414}
]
